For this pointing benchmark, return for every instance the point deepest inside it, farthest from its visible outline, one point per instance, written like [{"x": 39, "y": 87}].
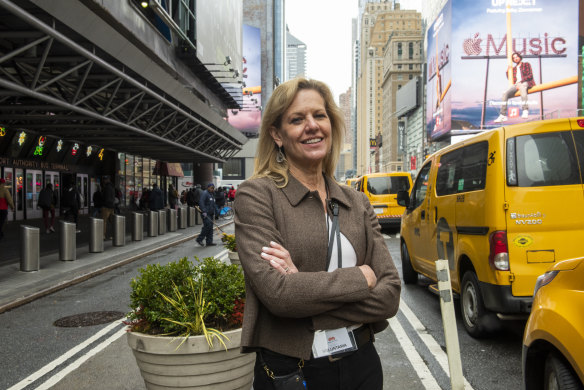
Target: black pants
[
  {"x": 359, "y": 371},
  {"x": 207, "y": 230},
  {"x": 3, "y": 218}
]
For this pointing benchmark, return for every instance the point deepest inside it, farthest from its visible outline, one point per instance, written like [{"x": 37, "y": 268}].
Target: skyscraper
[{"x": 295, "y": 56}]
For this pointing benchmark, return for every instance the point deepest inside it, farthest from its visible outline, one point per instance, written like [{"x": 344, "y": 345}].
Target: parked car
[
  {"x": 382, "y": 189},
  {"x": 553, "y": 343},
  {"x": 501, "y": 207}
]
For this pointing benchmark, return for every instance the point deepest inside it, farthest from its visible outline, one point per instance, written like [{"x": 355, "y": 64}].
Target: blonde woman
[{"x": 320, "y": 279}]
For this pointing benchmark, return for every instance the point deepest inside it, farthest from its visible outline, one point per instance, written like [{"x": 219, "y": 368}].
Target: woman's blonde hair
[{"x": 281, "y": 99}]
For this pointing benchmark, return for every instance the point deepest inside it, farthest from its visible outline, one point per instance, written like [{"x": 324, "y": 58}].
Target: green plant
[
  {"x": 183, "y": 299},
  {"x": 229, "y": 242}
]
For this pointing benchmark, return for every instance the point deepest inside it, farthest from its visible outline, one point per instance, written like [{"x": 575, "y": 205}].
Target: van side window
[
  {"x": 420, "y": 186},
  {"x": 547, "y": 159},
  {"x": 463, "y": 170}
]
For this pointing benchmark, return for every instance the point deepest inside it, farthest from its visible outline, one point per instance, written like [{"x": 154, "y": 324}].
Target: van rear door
[{"x": 545, "y": 201}]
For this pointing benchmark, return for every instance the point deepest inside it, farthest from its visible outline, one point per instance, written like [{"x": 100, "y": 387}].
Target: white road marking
[
  {"x": 52, "y": 381},
  {"x": 430, "y": 342},
  {"x": 63, "y": 358},
  {"x": 413, "y": 356}
]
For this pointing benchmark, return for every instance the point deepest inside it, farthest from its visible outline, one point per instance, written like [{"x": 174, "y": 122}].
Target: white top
[{"x": 348, "y": 252}]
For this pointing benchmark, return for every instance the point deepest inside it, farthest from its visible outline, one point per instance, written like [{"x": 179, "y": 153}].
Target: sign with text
[{"x": 470, "y": 59}]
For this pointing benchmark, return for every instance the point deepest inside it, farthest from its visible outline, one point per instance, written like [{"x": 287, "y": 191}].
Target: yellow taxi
[
  {"x": 553, "y": 343},
  {"x": 502, "y": 207},
  {"x": 381, "y": 189}
]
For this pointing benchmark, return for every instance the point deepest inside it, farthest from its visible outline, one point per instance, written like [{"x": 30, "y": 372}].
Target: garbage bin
[
  {"x": 182, "y": 218},
  {"x": 29, "y": 248},
  {"x": 95, "y": 235},
  {"x": 67, "y": 241},
  {"x": 172, "y": 222},
  {"x": 119, "y": 230},
  {"x": 137, "y": 226},
  {"x": 152, "y": 223},
  {"x": 191, "y": 213},
  {"x": 161, "y": 222}
]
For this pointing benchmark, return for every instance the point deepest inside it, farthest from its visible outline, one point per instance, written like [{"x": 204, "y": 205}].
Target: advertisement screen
[
  {"x": 510, "y": 62},
  {"x": 248, "y": 119}
]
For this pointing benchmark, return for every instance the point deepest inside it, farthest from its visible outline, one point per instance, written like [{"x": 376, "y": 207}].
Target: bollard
[
  {"x": 95, "y": 235},
  {"x": 182, "y": 218},
  {"x": 198, "y": 218},
  {"x": 29, "y": 248},
  {"x": 161, "y": 222},
  {"x": 67, "y": 241},
  {"x": 449, "y": 323},
  {"x": 172, "y": 220},
  {"x": 191, "y": 216},
  {"x": 152, "y": 223},
  {"x": 119, "y": 230},
  {"x": 137, "y": 226}
]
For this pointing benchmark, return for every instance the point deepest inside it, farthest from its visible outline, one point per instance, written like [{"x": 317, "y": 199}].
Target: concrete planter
[
  {"x": 193, "y": 364},
  {"x": 234, "y": 257}
]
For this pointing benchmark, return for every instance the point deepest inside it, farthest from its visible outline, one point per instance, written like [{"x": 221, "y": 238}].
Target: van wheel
[
  {"x": 559, "y": 376},
  {"x": 474, "y": 315},
  {"x": 409, "y": 275}
]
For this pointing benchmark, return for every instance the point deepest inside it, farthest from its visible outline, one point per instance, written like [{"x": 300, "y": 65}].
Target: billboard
[
  {"x": 248, "y": 119},
  {"x": 471, "y": 71}
]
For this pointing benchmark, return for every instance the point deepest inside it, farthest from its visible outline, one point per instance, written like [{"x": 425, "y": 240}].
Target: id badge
[{"x": 332, "y": 342}]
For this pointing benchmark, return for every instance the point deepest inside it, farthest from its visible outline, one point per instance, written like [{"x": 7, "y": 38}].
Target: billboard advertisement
[
  {"x": 248, "y": 119},
  {"x": 497, "y": 62}
]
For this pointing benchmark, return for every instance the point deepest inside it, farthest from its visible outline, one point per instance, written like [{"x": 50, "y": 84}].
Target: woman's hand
[
  {"x": 369, "y": 275},
  {"x": 279, "y": 258}
]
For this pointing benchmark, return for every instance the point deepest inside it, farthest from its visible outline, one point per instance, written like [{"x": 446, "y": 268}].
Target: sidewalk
[{"x": 18, "y": 287}]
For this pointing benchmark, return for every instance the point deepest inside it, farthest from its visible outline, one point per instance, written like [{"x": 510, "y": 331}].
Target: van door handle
[
  {"x": 435, "y": 214},
  {"x": 423, "y": 214}
]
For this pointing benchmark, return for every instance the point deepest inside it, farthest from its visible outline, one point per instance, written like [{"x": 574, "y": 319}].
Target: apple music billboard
[{"x": 470, "y": 46}]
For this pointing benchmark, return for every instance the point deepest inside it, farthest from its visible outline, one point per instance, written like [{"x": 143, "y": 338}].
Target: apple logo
[{"x": 472, "y": 46}]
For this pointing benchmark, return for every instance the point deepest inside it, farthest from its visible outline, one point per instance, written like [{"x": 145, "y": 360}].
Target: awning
[{"x": 168, "y": 169}]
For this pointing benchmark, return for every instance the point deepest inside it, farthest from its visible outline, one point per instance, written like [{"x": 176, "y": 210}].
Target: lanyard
[{"x": 334, "y": 231}]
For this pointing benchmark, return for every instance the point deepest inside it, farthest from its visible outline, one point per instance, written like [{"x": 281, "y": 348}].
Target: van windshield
[{"x": 387, "y": 185}]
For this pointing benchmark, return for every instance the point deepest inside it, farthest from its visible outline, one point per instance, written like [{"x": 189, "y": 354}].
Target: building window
[
  {"x": 233, "y": 169},
  {"x": 411, "y": 50},
  {"x": 399, "y": 50}
]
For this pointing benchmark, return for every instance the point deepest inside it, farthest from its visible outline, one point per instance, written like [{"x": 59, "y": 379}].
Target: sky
[{"x": 325, "y": 27}]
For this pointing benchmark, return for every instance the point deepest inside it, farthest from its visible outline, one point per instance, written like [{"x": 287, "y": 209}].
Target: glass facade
[{"x": 135, "y": 175}]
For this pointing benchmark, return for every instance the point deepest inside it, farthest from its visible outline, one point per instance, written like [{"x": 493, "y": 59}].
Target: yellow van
[
  {"x": 501, "y": 207},
  {"x": 382, "y": 189},
  {"x": 350, "y": 182}
]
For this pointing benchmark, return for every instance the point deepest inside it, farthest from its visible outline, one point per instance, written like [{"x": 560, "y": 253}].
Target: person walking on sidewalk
[
  {"x": 48, "y": 202},
  {"x": 320, "y": 280},
  {"x": 155, "y": 199},
  {"x": 5, "y": 202},
  {"x": 207, "y": 205},
  {"x": 71, "y": 204},
  {"x": 172, "y": 197},
  {"x": 108, "y": 196},
  {"x": 97, "y": 202}
]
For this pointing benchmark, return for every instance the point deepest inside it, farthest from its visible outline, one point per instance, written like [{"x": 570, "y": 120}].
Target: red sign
[{"x": 412, "y": 163}]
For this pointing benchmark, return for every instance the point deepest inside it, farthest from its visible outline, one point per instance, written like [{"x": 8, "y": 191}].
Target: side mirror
[{"x": 403, "y": 198}]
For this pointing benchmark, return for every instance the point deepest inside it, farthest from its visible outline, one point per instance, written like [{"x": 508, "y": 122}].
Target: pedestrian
[
  {"x": 319, "y": 278},
  {"x": 48, "y": 201},
  {"x": 155, "y": 199},
  {"x": 231, "y": 194},
  {"x": 183, "y": 197},
  {"x": 5, "y": 202},
  {"x": 197, "y": 194},
  {"x": 207, "y": 206},
  {"x": 71, "y": 204},
  {"x": 108, "y": 205},
  {"x": 172, "y": 197},
  {"x": 117, "y": 201},
  {"x": 219, "y": 201},
  {"x": 191, "y": 198},
  {"x": 97, "y": 199},
  {"x": 143, "y": 203}
]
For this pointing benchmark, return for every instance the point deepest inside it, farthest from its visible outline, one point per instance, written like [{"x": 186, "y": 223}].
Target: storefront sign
[
  {"x": 38, "y": 151},
  {"x": 21, "y": 138}
]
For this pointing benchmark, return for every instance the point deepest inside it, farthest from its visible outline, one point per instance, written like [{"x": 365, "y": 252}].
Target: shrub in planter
[
  {"x": 229, "y": 242},
  {"x": 185, "y": 299}
]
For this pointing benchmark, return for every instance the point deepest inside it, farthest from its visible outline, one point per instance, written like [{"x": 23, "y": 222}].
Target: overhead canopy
[{"x": 59, "y": 84}]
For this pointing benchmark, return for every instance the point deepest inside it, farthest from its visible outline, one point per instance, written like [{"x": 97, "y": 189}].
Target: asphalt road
[{"x": 37, "y": 354}]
